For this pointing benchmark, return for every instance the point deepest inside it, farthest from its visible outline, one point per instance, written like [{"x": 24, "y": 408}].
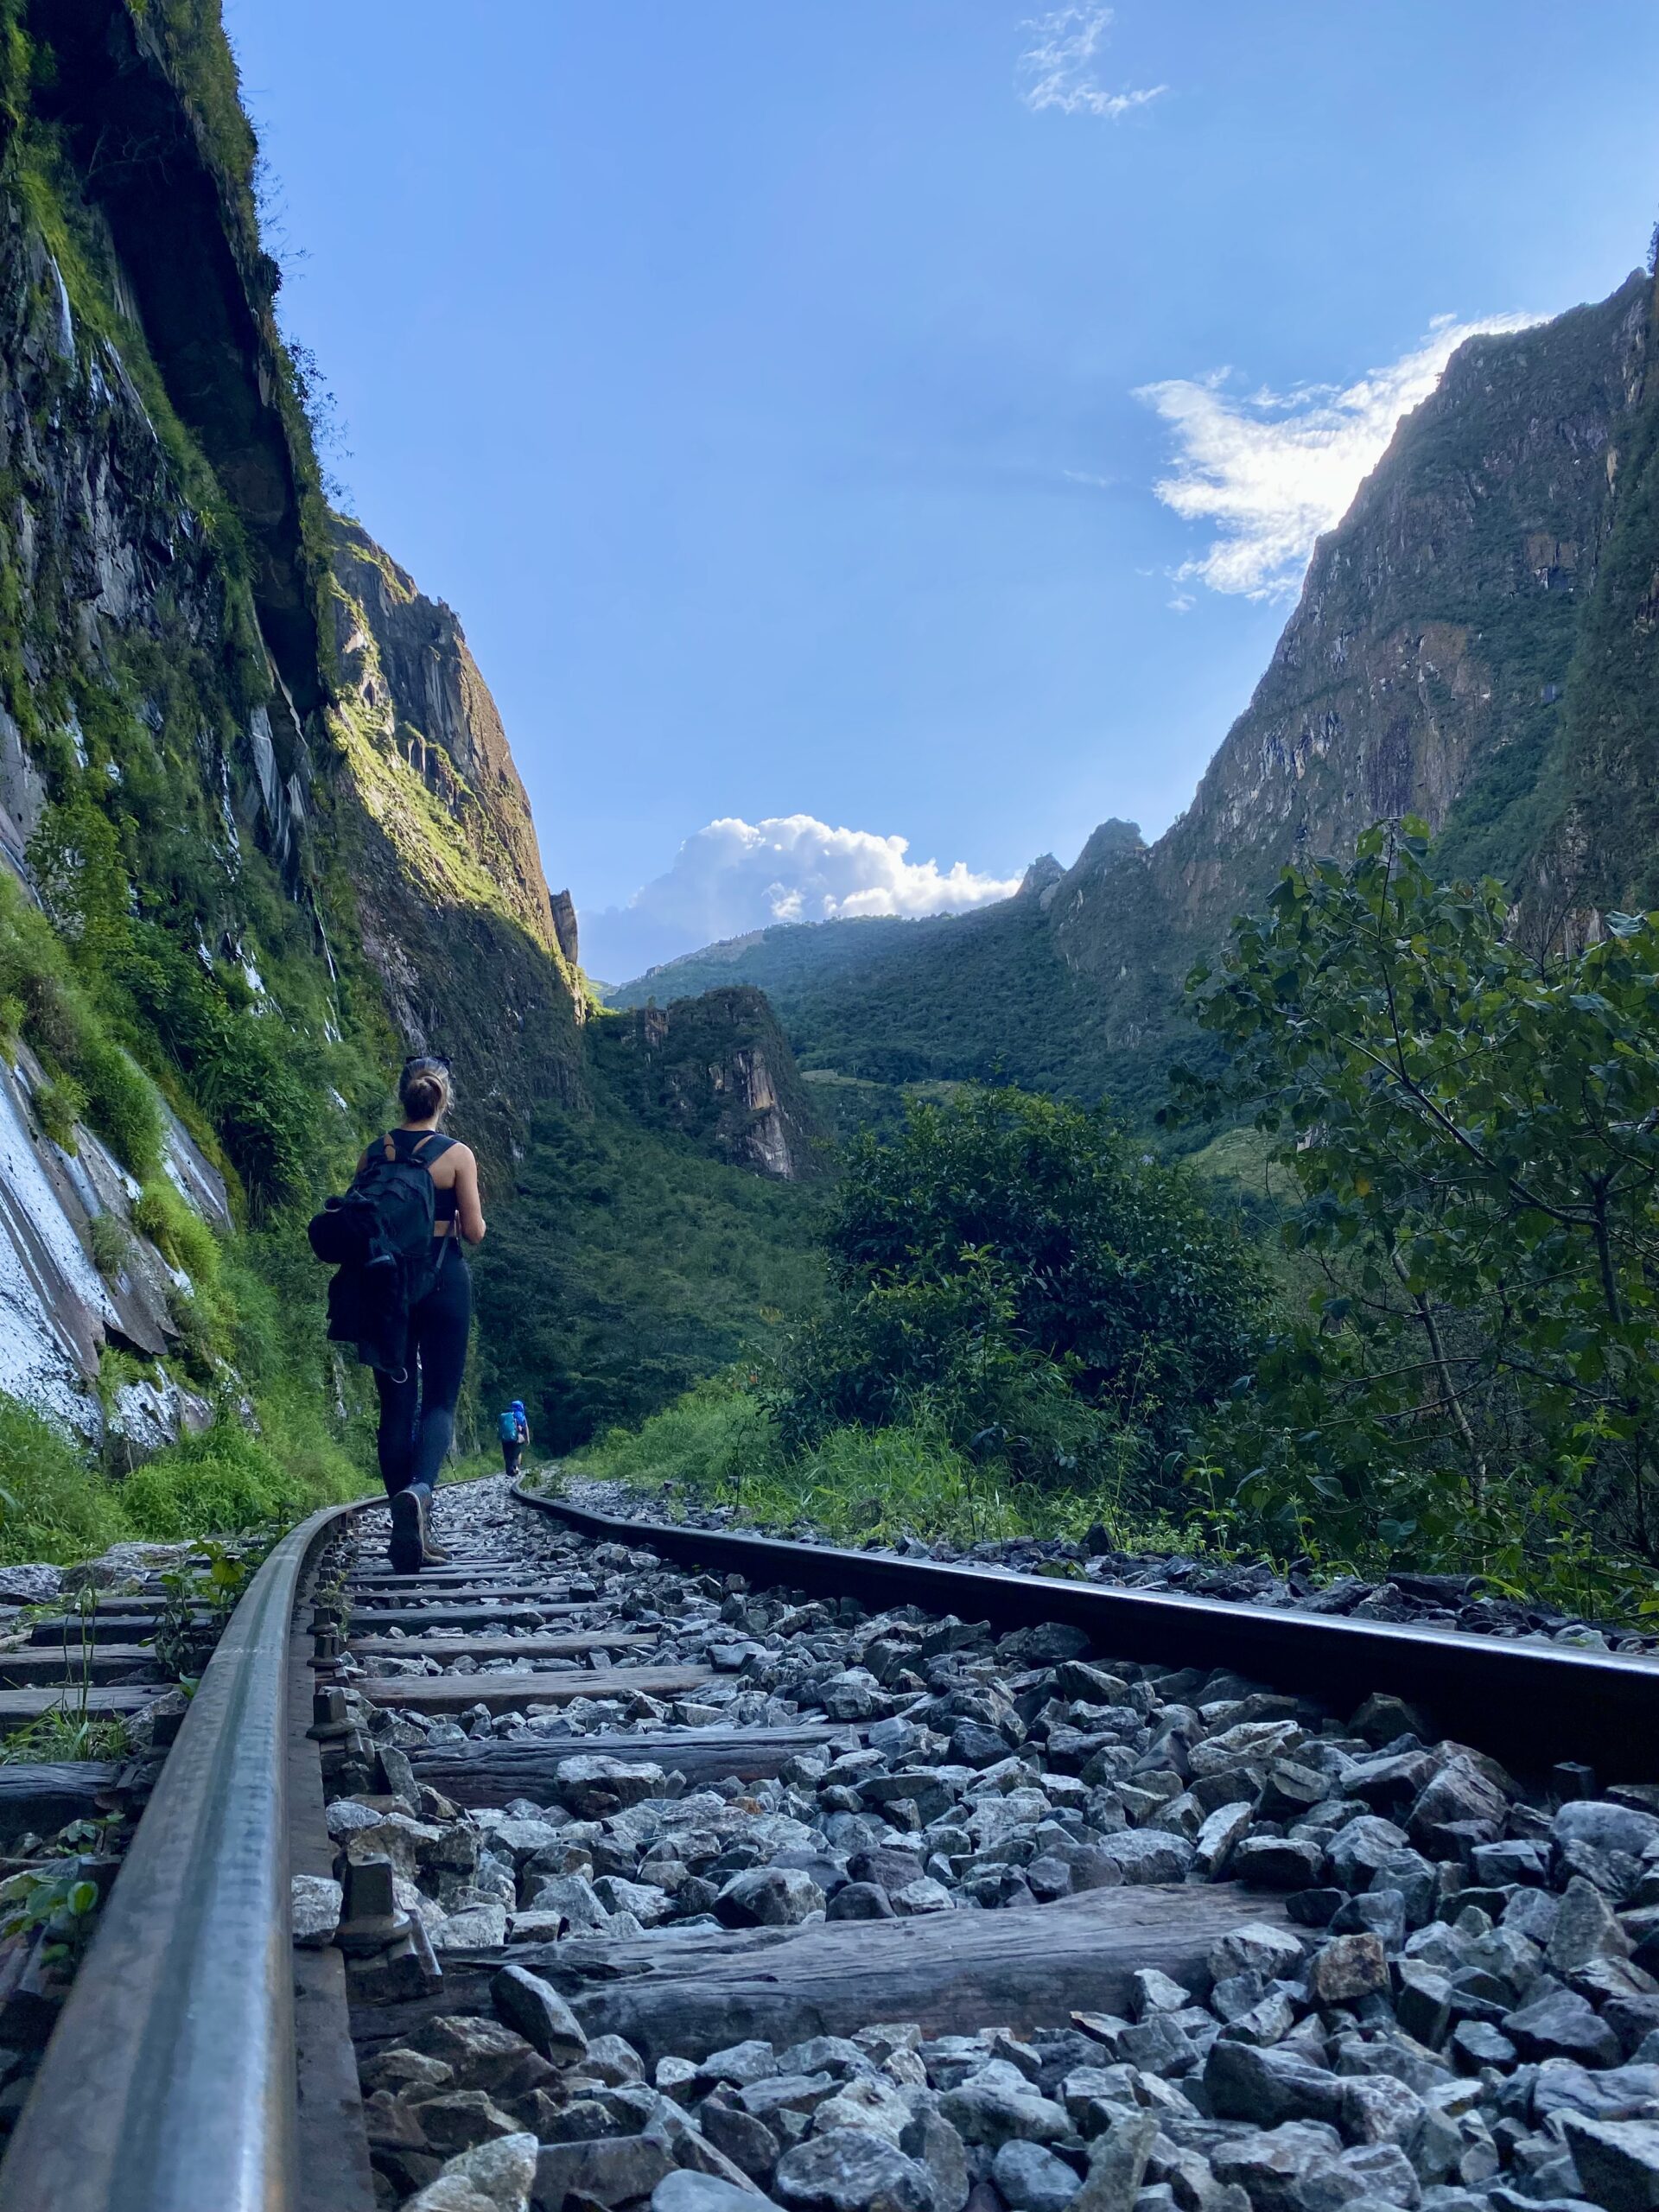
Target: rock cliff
[
  {"x": 478, "y": 961},
  {"x": 1423, "y": 670},
  {"x": 260, "y": 828},
  {"x": 717, "y": 1069}
]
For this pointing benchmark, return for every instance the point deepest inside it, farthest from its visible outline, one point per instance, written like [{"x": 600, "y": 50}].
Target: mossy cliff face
[
  {"x": 451, "y": 904},
  {"x": 260, "y": 830},
  {"x": 717, "y": 1069},
  {"x": 1424, "y": 668}
]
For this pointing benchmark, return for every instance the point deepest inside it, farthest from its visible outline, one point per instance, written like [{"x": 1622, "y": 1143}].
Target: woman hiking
[{"x": 418, "y": 1405}]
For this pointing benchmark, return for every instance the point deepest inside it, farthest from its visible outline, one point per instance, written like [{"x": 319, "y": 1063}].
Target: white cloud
[
  {"x": 1272, "y": 470},
  {"x": 1059, "y": 67},
  {"x": 731, "y": 876}
]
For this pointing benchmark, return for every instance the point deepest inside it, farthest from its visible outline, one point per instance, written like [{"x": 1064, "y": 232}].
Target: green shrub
[
  {"x": 54, "y": 1503},
  {"x": 59, "y": 1102},
  {"x": 708, "y": 1441},
  {"x": 226, "y": 1478},
  {"x": 109, "y": 1242},
  {"x": 178, "y": 1232},
  {"x": 121, "y": 1105}
]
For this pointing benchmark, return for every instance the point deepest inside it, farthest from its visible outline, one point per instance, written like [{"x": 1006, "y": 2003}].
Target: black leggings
[{"x": 418, "y": 1415}]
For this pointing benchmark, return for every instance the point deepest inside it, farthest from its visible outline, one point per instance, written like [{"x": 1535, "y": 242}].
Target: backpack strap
[{"x": 417, "y": 1152}]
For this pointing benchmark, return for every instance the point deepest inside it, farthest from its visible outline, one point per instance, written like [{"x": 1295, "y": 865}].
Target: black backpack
[{"x": 379, "y": 1236}]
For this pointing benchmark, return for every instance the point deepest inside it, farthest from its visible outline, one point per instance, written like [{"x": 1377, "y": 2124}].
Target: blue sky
[{"x": 768, "y": 384}]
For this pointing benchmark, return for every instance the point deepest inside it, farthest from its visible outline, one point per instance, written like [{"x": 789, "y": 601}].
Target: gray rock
[
  {"x": 610, "y": 2169},
  {"x": 973, "y": 1743},
  {"x": 785, "y": 2093},
  {"x": 685, "y": 2191},
  {"x": 1460, "y": 1794},
  {"x": 1618, "y": 2161},
  {"x": 1362, "y": 1849},
  {"x": 1372, "y": 2173},
  {"x": 860, "y": 1901},
  {"x": 1267, "y": 2087},
  {"x": 1159, "y": 2044},
  {"x": 740, "y": 2063},
  {"x": 1153, "y": 1991},
  {"x": 1273, "y": 2164},
  {"x": 1148, "y": 1855},
  {"x": 930, "y": 2139},
  {"x": 1222, "y": 1830},
  {"x": 1117, "y": 2165},
  {"x": 1275, "y": 1862},
  {"x": 768, "y": 1897},
  {"x": 1560, "y": 2024},
  {"x": 314, "y": 1909},
  {"x": 1256, "y": 1946},
  {"x": 745, "y": 2140},
  {"x": 1475, "y": 2043},
  {"x": 1378, "y": 2108},
  {"x": 593, "y": 1786},
  {"x": 481, "y": 2053},
  {"x": 851, "y": 2169},
  {"x": 1345, "y": 1970},
  {"x": 1584, "y": 1928},
  {"x": 1607, "y": 1826},
  {"x": 1423, "y": 2002},
  {"x": 1615, "y": 2092},
  {"x": 575, "y": 1899},
  {"x": 29, "y": 1585},
  {"x": 1031, "y": 2179},
  {"x": 997, "y": 2105},
  {"x": 496, "y": 2177},
  {"x": 477, "y": 1928},
  {"x": 461, "y": 2119},
  {"x": 535, "y": 2009},
  {"x": 838, "y": 2057}
]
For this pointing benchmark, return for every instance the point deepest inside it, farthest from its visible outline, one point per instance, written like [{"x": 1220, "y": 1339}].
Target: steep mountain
[
  {"x": 260, "y": 828},
  {"x": 1473, "y": 643},
  {"x": 452, "y": 905}
]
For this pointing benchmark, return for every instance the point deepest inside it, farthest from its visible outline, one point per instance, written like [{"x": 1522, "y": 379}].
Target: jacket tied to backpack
[{"x": 380, "y": 1236}]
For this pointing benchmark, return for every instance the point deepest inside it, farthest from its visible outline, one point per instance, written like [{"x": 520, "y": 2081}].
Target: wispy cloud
[
  {"x": 1272, "y": 470},
  {"x": 1057, "y": 68}
]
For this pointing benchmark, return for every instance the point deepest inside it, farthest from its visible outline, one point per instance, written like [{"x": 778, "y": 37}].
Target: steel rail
[
  {"x": 168, "y": 2084},
  {"x": 1529, "y": 1704}
]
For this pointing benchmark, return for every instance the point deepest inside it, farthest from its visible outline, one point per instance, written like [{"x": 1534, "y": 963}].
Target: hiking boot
[
  {"x": 407, "y": 1549},
  {"x": 434, "y": 1554}
]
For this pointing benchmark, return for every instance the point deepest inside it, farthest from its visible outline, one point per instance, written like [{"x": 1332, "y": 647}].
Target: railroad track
[{"x": 633, "y": 1865}]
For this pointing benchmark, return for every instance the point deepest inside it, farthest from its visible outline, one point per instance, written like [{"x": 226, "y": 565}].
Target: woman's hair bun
[{"x": 424, "y": 1088}]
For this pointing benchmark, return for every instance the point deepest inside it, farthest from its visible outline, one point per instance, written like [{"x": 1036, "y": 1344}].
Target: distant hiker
[
  {"x": 403, "y": 1293},
  {"x": 514, "y": 1431}
]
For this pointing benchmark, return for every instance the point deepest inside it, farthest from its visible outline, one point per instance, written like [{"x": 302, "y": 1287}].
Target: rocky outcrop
[
  {"x": 717, "y": 1069},
  {"x": 76, "y": 1274},
  {"x": 1424, "y": 669},
  {"x": 477, "y": 960}
]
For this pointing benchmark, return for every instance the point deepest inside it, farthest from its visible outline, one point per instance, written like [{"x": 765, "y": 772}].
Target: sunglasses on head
[{"x": 423, "y": 1061}]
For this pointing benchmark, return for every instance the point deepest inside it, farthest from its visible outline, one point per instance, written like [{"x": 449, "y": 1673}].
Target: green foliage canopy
[
  {"x": 1475, "y": 1135},
  {"x": 1024, "y": 1271}
]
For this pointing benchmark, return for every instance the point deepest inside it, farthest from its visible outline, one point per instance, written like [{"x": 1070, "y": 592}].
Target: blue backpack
[{"x": 507, "y": 1428}]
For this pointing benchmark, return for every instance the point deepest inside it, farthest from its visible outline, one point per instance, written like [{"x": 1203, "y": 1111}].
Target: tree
[
  {"x": 1036, "y": 1278},
  {"x": 1475, "y": 1138}
]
